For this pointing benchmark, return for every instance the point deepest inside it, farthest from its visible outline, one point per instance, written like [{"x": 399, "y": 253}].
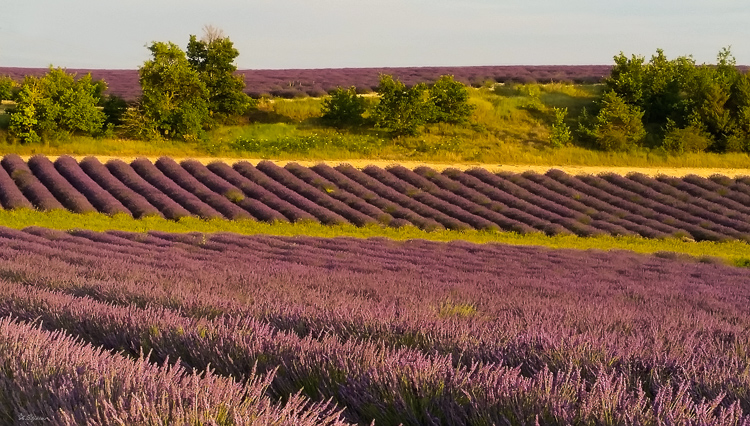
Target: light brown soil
[{"x": 573, "y": 170}]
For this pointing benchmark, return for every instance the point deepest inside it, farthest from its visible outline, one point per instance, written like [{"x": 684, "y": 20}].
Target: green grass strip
[{"x": 733, "y": 252}]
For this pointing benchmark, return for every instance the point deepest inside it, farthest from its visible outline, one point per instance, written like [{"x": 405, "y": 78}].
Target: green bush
[
  {"x": 401, "y": 110},
  {"x": 617, "y": 126},
  {"x": 450, "y": 101},
  {"x": 688, "y": 139},
  {"x": 344, "y": 108},
  {"x": 560, "y": 134}
]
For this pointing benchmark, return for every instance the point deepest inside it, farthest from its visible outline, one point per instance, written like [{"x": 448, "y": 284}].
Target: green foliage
[
  {"x": 450, "y": 100},
  {"x": 617, "y": 126},
  {"x": 213, "y": 58},
  {"x": 56, "y": 104},
  {"x": 401, "y": 110},
  {"x": 560, "y": 134},
  {"x": 174, "y": 100},
  {"x": 703, "y": 103},
  {"x": 344, "y": 108},
  {"x": 7, "y": 88}
]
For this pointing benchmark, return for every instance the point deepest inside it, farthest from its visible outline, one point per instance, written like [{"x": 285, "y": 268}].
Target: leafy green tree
[
  {"x": 626, "y": 78},
  {"x": 560, "y": 134},
  {"x": 7, "y": 87},
  {"x": 174, "y": 102},
  {"x": 213, "y": 58},
  {"x": 56, "y": 103},
  {"x": 617, "y": 127},
  {"x": 344, "y": 107},
  {"x": 401, "y": 110},
  {"x": 450, "y": 100}
]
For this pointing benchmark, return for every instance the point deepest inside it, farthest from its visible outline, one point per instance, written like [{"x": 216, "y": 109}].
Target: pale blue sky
[{"x": 366, "y": 33}]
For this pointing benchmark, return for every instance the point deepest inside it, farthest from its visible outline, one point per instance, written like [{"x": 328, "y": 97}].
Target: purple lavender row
[
  {"x": 145, "y": 169},
  {"x": 54, "y": 378},
  {"x": 395, "y": 210},
  {"x": 102, "y": 200},
  {"x": 698, "y": 228},
  {"x": 10, "y": 196},
  {"x": 125, "y": 174},
  {"x": 508, "y": 218},
  {"x": 324, "y": 215},
  {"x": 604, "y": 211},
  {"x": 219, "y": 185},
  {"x": 590, "y": 216},
  {"x": 533, "y": 216},
  {"x": 722, "y": 190},
  {"x": 700, "y": 208},
  {"x": 29, "y": 185},
  {"x": 68, "y": 196},
  {"x": 465, "y": 198},
  {"x": 131, "y": 200},
  {"x": 397, "y": 197},
  {"x": 191, "y": 185},
  {"x": 319, "y": 197},
  {"x": 706, "y": 197},
  {"x": 559, "y": 181},
  {"x": 252, "y": 189},
  {"x": 355, "y": 374},
  {"x": 570, "y": 219},
  {"x": 739, "y": 184},
  {"x": 322, "y": 184}
]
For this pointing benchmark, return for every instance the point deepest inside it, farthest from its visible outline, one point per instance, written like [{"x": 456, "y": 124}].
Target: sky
[{"x": 291, "y": 34}]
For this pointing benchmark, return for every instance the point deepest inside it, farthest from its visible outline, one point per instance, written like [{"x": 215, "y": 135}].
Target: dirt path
[{"x": 573, "y": 170}]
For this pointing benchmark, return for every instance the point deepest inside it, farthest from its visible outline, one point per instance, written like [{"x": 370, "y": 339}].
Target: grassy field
[
  {"x": 510, "y": 126},
  {"x": 734, "y": 252}
]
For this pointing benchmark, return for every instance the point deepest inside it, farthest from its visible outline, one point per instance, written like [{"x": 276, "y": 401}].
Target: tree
[
  {"x": 450, "y": 100},
  {"x": 617, "y": 127},
  {"x": 213, "y": 58},
  {"x": 174, "y": 100},
  {"x": 344, "y": 107},
  {"x": 7, "y": 87},
  {"x": 401, "y": 110},
  {"x": 57, "y": 103}
]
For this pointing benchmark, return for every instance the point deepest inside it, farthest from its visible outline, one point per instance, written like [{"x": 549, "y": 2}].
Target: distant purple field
[
  {"x": 318, "y": 82},
  {"x": 693, "y": 207},
  {"x": 400, "y": 332}
]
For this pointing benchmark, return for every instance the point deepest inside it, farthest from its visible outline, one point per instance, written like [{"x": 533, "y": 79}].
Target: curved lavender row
[
  {"x": 321, "y": 198},
  {"x": 146, "y": 170},
  {"x": 705, "y": 196},
  {"x": 594, "y": 218},
  {"x": 575, "y": 222},
  {"x": 395, "y": 210},
  {"x": 671, "y": 215},
  {"x": 125, "y": 174},
  {"x": 10, "y": 196},
  {"x": 709, "y": 185},
  {"x": 536, "y": 218},
  {"x": 488, "y": 208},
  {"x": 57, "y": 184},
  {"x": 641, "y": 225},
  {"x": 102, "y": 200},
  {"x": 393, "y": 195},
  {"x": 181, "y": 177},
  {"x": 429, "y": 180},
  {"x": 453, "y": 216},
  {"x": 617, "y": 206},
  {"x": 252, "y": 189},
  {"x": 322, "y": 184},
  {"x": 54, "y": 377},
  {"x": 218, "y": 185},
  {"x": 133, "y": 201},
  {"x": 740, "y": 184},
  {"x": 355, "y": 374},
  {"x": 699, "y": 207},
  {"x": 251, "y": 173},
  {"x": 29, "y": 185}
]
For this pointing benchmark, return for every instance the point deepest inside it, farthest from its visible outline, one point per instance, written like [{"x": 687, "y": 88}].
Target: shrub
[
  {"x": 617, "y": 127},
  {"x": 344, "y": 107},
  {"x": 401, "y": 110},
  {"x": 560, "y": 134},
  {"x": 688, "y": 139}
]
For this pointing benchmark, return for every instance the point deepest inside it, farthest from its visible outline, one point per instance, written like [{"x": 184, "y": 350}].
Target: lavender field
[
  {"x": 318, "y": 82},
  {"x": 693, "y": 208},
  {"x": 159, "y": 328}
]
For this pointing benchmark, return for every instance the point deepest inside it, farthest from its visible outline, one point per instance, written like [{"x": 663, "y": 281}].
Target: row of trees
[
  {"x": 401, "y": 110},
  {"x": 673, "y": 104}
]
